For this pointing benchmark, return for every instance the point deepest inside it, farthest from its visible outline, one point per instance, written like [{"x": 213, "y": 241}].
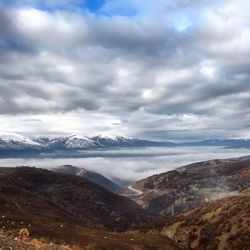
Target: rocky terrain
[
  {"x": 186, "y": 188},
  {"x": 12, "y": 241}
]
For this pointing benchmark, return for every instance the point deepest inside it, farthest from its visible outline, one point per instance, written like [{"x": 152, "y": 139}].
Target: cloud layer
[
  {"x": 134, "y": 168},
  {"x": 165, "y": 70}
]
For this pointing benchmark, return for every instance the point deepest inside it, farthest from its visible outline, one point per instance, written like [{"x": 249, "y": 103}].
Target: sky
[{"x": 161, "y": 70}]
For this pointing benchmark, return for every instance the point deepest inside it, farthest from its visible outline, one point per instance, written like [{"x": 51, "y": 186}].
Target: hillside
[
  {"x": 222, "y": 224},
  {"x": 72, "y": 195},
  {"x": 90, "y": 175},
  {"x": 181, "y": 190},
  {"x": 70, "y": 209}
]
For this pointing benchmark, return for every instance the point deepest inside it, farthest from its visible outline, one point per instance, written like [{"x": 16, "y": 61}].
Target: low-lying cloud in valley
[{"x": 133, "y": 164}]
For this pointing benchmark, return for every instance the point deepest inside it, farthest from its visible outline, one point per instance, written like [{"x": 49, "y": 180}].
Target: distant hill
[
  {"x": 90, "y": 175},
  {"x": 181, "y": 190}
]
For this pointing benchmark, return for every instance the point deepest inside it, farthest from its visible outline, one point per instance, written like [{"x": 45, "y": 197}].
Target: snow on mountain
[
  {"x": 9, "y": 141},
  {"x": 67, "y": 142},
  {"x": 110, "y": 137},
  {"x": 112, "y": 140},
  {"x": 84, "y": 142},
  {"x": 13, "y": 141},
  {"x": 76, "y": 141}
]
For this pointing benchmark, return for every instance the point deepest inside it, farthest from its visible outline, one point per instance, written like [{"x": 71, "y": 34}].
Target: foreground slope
[
  {"x": 222, "y": 224},
  {"x": 73, "y": 195},
  {"x": 190, "y": 186},
  {"x": 91, "y": 240},
  {"x": 71, "y": 209}
]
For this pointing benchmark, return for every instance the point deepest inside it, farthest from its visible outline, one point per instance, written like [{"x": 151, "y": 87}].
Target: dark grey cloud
[
  {"x": 11, "y": 38},
  {"x": 177, "y": 69}
]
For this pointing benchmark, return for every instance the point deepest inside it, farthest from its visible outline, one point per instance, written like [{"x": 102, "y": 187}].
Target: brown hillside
[
  {"x": 186, "y": 188},
  {"x": 72, "y": 210},
  {"x": 223, "y": 224}
]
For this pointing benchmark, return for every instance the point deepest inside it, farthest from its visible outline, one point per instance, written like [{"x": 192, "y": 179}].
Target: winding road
[
  {"x": 136, "y": 191},
  {"x": 81, "y": 172}
]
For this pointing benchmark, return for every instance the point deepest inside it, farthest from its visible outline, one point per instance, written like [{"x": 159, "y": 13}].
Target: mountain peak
[
  {"x": 12, "y": 136},
  {"x": 109, "y": 136},
  {"x": 16, "y": 139}
]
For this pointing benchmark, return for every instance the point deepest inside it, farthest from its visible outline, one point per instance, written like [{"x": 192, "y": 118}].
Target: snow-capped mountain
[
  {"x": 75, "y": 141},
  {"x": 112, "y": 140},
  {"x": 67, "y": 142},
  {"x": 82, "y": 142},
  {"x": 13, "y": 141},
  {"x": 108, "y": 141}
]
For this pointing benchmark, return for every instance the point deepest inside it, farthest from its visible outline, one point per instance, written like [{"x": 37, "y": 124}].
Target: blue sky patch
[
  {"x": 102, "y": 7},
  {"x": 94, "y": 5},
  {"x": 127, "y": 8}
]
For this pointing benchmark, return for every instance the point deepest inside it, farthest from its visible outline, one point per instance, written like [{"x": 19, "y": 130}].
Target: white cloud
[{"x": 133, "y": 75}]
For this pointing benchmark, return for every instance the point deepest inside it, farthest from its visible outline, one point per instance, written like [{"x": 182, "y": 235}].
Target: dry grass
[{"x": 223, "y": 224}]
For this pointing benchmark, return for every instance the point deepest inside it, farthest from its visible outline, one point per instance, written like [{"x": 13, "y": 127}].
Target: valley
[{"x": 204, "y": 205}]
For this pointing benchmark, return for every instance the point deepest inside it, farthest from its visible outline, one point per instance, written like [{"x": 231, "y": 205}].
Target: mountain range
[
  {"x": 13, "y": 144},
  {"x": 13, "y": 141}
]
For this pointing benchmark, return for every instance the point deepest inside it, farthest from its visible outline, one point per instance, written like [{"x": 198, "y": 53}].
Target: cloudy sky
[{"x": 166, "y": 69}]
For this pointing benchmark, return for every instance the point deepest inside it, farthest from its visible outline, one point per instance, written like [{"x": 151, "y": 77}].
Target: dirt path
[{"x": 136, "y": 191}]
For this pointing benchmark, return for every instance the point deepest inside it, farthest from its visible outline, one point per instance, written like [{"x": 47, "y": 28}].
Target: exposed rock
[{"x": 23, "y": 234}]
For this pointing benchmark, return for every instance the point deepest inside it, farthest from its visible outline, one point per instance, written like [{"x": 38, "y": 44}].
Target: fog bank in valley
[{"x": 134, "y": 164}]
